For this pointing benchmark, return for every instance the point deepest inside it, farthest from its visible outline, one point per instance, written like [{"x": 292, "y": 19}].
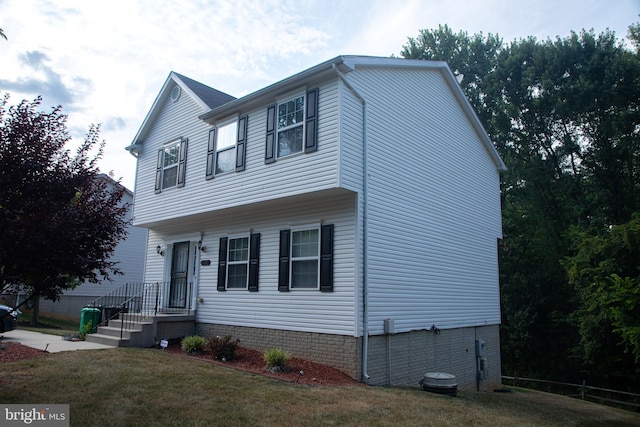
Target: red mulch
[
  {"x": 246, "y": 360},
  {"x": 253, "y": 361},
  {"x": 14, "y": 351}
]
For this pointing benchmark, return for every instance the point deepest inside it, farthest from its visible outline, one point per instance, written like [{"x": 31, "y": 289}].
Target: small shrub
[
  {"x": 223, "y": 348},
  {"x": 276, "y": 359},
  {"x": 193, "y": 344},
  {"x": 86, "y": 329}
]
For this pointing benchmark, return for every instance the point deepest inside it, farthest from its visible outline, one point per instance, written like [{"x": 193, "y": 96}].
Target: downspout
[{"x": 365, "y": 190}]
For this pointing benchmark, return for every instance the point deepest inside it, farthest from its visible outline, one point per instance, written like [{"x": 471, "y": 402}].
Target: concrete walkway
[{"x": 52, "y": 343}]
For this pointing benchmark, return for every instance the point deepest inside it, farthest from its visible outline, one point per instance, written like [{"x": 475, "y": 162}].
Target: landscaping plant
[
  {"x": 193, "y": 344},
  {"x": 223, "y": 348}
]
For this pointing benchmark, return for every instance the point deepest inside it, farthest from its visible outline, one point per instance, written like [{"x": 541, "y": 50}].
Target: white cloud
[{"x": 106, "y": 61}]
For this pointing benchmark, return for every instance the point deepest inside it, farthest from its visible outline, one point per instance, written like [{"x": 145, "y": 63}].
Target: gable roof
[
  {"x": 205, "y": 97},
  {"x": 346, "y": 64}
]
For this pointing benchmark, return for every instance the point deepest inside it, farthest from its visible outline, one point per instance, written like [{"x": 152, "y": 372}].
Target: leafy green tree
[
  {"x": 60, "y": 223},
  {"x": 606, "y": 274}
]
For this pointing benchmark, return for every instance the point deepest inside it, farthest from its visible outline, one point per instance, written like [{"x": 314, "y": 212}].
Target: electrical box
[
  {"x": 389, "y": 326},
  {"x": 479, "y": 348},
  {"x": 483, "y": 364}
]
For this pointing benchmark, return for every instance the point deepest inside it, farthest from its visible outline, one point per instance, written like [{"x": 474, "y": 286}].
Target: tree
[
  {"x": 60, "y": 222},
  {"x": 606, "y": 276}
]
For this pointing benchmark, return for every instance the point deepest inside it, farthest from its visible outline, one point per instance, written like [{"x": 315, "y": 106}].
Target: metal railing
[
  {"x": 603, "y": 396},
  {"x": 133, "y": 303}
]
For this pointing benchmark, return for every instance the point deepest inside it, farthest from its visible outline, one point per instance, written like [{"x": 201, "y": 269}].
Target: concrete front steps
[{"x": 146, "y": 333}]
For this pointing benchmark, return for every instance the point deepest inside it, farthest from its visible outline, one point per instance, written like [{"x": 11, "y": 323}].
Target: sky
[{"x": 106, "y": 61}]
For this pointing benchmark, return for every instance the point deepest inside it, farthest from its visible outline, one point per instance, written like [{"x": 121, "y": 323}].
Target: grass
[
  {"x": 49, "y": 325},
  {"x": 144, "y": 387}
]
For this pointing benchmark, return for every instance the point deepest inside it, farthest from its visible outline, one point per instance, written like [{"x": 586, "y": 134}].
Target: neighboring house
[
  {"x": 129, "y": 254},
  {"x": 348, "y": 214}
]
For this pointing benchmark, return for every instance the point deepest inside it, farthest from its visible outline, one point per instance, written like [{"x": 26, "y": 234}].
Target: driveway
[{"x": 52, "y": 343}]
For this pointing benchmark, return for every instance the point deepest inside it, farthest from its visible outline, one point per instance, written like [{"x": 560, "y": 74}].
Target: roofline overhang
[{"x": 346, "y": 64}]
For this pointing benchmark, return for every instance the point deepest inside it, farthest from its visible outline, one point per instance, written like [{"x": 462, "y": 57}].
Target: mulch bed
[{"x": 247, "y": 360}]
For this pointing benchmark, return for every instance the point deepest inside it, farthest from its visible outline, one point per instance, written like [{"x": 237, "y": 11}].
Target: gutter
[{"x": 365, "y": 184}]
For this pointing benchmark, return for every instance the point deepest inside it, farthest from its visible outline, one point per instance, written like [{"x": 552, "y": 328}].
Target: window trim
[
  {"x": 240, "y": 146},
  {"x": 305, "y": 258},
  {"x": 325, "y": 258},
  {"x": 309, "y": 125},
  {"x": 230, "y": 147},
  {"x": 252, "y": 262},
  {"x": 300, "y": 124},
  {"x": 243, "y": 262},
  {"x": 180, "y": 166}
]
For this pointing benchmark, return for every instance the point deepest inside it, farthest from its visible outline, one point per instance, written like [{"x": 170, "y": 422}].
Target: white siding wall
[
  {"x": 288, "y": 176},
  {"x": 299, "y": 310},
  {"x": 434, "y": 206}
]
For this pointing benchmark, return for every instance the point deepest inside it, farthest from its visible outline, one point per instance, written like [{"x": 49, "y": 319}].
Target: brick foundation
[{"x": 412, "y": 353}]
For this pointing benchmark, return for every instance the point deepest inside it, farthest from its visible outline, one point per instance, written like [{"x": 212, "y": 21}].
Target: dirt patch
[{"x": 299, "y": 371}]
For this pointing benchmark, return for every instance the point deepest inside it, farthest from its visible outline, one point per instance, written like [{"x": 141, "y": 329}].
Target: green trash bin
[{"x": 90, "y": 314}]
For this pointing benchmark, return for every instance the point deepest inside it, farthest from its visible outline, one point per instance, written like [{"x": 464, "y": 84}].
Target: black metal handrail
[{"x": 133, "y": 303}]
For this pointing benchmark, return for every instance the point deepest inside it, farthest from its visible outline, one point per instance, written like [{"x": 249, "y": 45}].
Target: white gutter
[{"x": 365, "y": 184}]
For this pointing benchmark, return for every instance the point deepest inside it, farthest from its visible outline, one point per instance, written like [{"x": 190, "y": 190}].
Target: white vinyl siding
[
  {"x": 433, "y": 206},
  {"x": 328, "y": 312},
  {"x": 259, "y": 182}
]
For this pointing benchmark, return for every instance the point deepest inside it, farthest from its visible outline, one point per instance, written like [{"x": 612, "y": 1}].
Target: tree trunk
[{"x": 36, "y": 310}]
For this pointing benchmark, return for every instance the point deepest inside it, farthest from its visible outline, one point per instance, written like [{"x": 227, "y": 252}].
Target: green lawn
[
  {"x": 144, "y": 387},
  {"x": 49, "y": 325}
]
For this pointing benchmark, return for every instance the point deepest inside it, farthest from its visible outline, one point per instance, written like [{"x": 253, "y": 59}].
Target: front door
[{"x": 179, "y": 270}]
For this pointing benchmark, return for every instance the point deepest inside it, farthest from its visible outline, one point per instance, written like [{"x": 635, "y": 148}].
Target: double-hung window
[
  {"x": 306, "y": 259},
  {"x": 238, "y": 262},
  {"x": 292, "y": 126},
  {"x": 226, "y": 148},
  {"x": 226, "y": 151},
  {"x": 170, "y": 168}
]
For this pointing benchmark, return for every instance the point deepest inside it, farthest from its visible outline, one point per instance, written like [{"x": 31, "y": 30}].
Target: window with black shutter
[
  {"x": 306, "y": 259},
  {"x": 238, "y": 262},
  {"x": 292, "y": 126}
]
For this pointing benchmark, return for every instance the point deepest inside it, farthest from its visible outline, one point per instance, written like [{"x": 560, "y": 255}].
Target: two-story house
[{"x": 348, "y": 214}]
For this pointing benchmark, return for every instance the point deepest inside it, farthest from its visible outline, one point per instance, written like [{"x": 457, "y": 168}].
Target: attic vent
[{"x": 175, "y": 93}]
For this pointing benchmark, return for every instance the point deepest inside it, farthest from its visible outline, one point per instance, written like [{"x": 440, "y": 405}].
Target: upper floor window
[
  {"x": 292, "y": 126},
  {"x": 227, "y": 147},
  {"x": 171, "y": 165}
]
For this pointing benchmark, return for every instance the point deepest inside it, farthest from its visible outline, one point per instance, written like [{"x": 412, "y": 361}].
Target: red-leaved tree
[{"x": 59, "y": 222}]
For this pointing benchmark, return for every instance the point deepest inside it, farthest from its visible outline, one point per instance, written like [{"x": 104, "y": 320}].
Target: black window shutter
[
  {"x": 283, "y": 267},
  {"x": 326, "y": 258},
  {"x": 254, "y": 254},
  {"x": 182, "y": 162},
  {"x": 159, "y": 171},
  {"x": 222, "y": 264},
  {"x": 311, "y": 125},
  {"x": 270, "y": 146},
  {"x": 211, "y": 153},
  {"x": 241, "y": 145}
]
